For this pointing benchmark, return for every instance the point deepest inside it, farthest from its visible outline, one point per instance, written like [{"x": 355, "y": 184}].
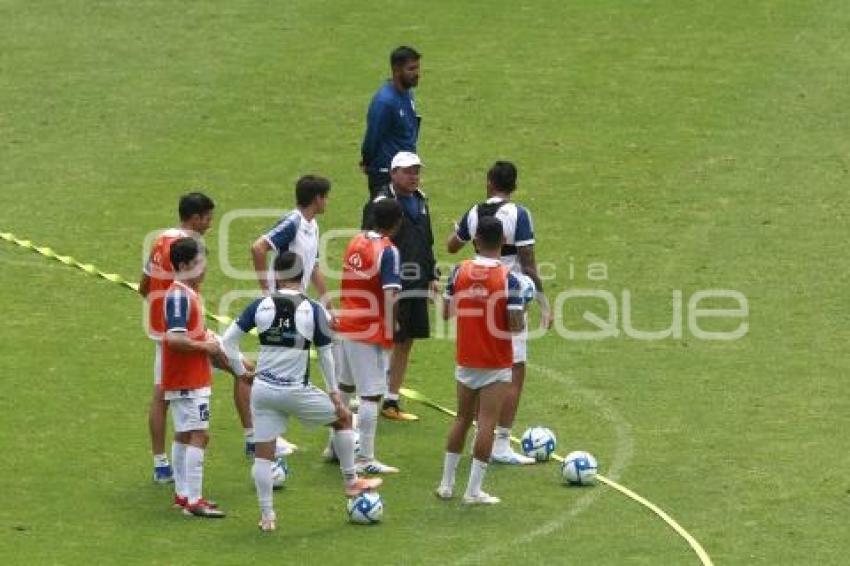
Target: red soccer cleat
[{"x": 203, "y": 509}]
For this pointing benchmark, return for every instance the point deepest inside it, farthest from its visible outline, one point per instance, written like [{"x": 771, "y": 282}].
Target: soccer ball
[
  {"x": 366, "y": 509},
  {"x": 280, "y": 472},
  {"x": 539, "y": 443},
  {"x": 579, "y": 468},
  {"x": 527, "y": 289}
]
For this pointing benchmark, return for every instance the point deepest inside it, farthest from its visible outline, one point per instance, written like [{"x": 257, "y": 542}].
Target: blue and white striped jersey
[
  {"x": 295, "y": 233},
  {"x": 516, "y": 224},
  {"x": 288, "y": 323}
]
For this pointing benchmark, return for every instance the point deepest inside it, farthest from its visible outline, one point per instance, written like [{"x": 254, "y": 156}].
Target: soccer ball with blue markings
[
  {"x": 579, "y": 468},
  {"x": 539, "y": 443},
  {"x": 527, "y": 289},
  {"x": 280, "y": 473},
  {"x": 366, "y": 509}
]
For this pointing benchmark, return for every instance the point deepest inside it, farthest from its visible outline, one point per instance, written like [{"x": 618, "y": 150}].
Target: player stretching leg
[{"x": 288, "y": 323}]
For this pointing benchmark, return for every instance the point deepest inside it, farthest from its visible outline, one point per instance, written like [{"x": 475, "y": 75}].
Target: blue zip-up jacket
[{"x": 391, "y": 126}]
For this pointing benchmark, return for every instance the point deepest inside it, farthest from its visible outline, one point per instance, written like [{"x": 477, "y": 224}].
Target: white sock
[
  {"x": 194, "y": 472},
  {"x": 160, "y": 460},
  {"x": 367, "y": 425},
  {"x": 249, "y": 435},
  {"x": 476, "y": 477},
  {"x": 502, "y": 440},
  {"x": 178, "y": 456},
  {"x": 343, "y": 443},
  {"x": 450, "y": 462},
  {"x": 262, "y": 472},
  {"x": 387, "y": 354},
  {"x": 392, "y": 397}
]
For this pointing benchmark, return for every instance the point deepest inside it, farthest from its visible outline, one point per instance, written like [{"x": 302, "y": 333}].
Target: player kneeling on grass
[
  {"x": 187, "y": 376},
  {"x": 288, "y": 323},
  {"x": 485, "y": 297}
]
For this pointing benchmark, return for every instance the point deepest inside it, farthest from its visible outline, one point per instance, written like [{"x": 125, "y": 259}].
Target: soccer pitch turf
[{"x": 681, "y": 146}]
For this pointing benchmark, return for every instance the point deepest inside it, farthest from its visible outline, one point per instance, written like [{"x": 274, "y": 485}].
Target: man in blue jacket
[{"x": 392, "y": 124}]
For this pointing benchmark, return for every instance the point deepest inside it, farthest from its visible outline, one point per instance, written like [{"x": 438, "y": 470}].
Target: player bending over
[
  {"x": 288, "y": 323},
  {"x": 485, "y": 297}
]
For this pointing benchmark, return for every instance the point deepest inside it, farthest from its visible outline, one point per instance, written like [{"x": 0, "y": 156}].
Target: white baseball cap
[{"x": 405, "y": 159}]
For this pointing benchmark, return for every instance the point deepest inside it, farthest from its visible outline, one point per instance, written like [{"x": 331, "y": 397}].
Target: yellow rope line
[{"x": 90, "y": 269}]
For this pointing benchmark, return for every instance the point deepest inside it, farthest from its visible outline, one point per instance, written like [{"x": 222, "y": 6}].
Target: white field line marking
[{"x": 623, "y": 451}]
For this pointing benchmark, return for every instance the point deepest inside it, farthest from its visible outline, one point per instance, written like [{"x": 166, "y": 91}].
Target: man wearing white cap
[{"x": 419, "y": 274}]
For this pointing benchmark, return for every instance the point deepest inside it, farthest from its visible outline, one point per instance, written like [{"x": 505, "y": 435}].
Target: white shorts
[
  {"x": 271, "y": 407},
  {"x": 520, "y": 343},
  {"x": 190, "y": 413},
  {"x": 476, "y": 378},
  {"x": 362, "y": 365},
  {"x": 157, "y": 364}
]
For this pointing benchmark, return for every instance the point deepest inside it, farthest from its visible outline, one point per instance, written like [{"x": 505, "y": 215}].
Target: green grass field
[{"x": 685, "y": 146}]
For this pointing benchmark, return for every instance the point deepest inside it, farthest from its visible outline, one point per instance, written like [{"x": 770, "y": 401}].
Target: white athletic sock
[
  {"x": 178, "y": 456},
  {"x": 476, "y": 477},
  {"x": 343, "y": 443},
  {"x": 160, "y": 460},
  {"x": 450, "y": 462},
  {"x": 502, "y": 440},
  {"x": 262, "y": 472},
  {"x": 392, "y": 397},
  {"x": 367, "y": 425},
  {"x": 387, "y": 354},
  {"x": 194, "y": 472},
  {"x": 249, "y": 434}
]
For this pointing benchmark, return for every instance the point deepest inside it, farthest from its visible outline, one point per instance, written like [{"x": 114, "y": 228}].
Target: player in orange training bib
[
  {"x": 187, "y": 376},
  {"x": 196, "y": 214},
  {"x": 486, "y": 299},
  {"x": 366, "y": 323}
]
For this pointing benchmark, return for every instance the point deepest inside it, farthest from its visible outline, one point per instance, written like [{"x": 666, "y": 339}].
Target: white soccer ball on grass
[
  {"x": 366, "y": 509},
  {"x": 579, "y": 468},
  {"x": 538, "y": 442},
  {"x": 280, "y": 473}
]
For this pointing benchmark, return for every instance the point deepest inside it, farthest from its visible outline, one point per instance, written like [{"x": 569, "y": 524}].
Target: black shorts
[{"x": 413, "y": 319}]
